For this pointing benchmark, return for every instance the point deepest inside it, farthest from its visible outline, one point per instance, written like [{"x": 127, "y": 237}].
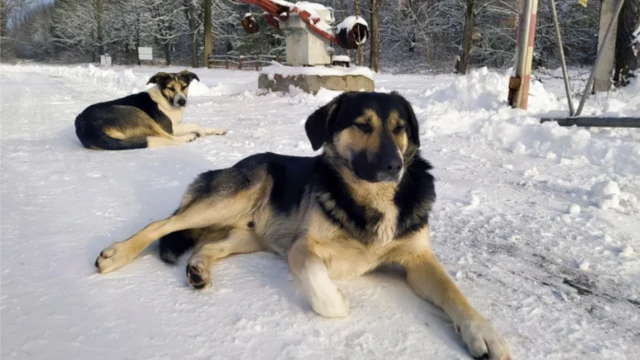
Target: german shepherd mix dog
[
  {"x": 363, "y": 202},
  {"x": 147, "y": 119}
]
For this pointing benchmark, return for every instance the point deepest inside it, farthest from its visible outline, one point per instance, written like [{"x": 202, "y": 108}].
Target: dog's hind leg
[
  {"x": 121, "y": 253},
  {"x": 214, "y": 246}
]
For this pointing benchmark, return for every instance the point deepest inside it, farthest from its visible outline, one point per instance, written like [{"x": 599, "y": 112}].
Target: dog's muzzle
[{"x": 180, "y": 100}]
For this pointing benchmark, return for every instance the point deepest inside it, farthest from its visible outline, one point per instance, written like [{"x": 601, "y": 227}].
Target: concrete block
[{"x": 313, "y": 83}]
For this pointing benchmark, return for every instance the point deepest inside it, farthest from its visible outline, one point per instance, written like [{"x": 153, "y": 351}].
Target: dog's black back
[{"x": 121, "y": 114}]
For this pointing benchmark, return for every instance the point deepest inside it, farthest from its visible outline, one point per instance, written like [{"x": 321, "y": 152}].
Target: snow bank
[
  {"x": 115, "y": 80},
  {"x": 278, "y": 69},
  {"x": 476, "y": 106}
]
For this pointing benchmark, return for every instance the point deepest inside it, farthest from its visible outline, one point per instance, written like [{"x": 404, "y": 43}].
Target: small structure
[
  {"x": 105, "y": 60},
  {"x": 310, "y": 34},
  {"x": 145, "y": 53}
]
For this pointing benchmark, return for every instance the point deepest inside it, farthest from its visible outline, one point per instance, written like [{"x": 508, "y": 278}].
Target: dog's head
[
  {"x": 174, "y": 86},
  {"x": 374, "y": 135}
]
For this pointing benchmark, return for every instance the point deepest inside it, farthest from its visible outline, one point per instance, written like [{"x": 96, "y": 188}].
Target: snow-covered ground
[{"x": 539, "y": 225}]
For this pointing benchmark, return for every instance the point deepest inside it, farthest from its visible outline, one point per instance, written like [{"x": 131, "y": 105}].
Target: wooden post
[
  {"x": 240, "y": 63},
  {"x": 519, "y": 84},
  {"x": 227, "y": 62},
  {"x": 208, "y": 32}
]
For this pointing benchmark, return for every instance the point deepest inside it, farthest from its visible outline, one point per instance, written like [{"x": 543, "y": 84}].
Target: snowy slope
[{"x": 539, "y": 226}]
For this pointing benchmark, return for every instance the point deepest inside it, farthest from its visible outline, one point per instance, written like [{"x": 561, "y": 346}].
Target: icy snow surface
[{"x": 519, "y": 224}]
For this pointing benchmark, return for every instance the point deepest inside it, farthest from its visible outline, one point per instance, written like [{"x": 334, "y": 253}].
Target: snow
[
  {"x": 350, "y": 21},
  {"x": 342, "y": 58},
  {"x": 283, "y": 70},
  {"x": 574, "y": 209},
  {"x": 558, "y": 285}
]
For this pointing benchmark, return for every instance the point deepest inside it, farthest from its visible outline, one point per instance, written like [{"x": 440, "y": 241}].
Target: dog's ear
[
  {"x": 157, "y": 78},
  {"x": 412, "y": 121},
  {"x": 187, "y": 76},
  {"x": 319, "y": 125}
]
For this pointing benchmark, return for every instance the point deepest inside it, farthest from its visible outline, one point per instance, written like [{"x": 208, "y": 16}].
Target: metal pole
[
  {"x": 626, "y": 122},
  {"x": 605, "y": 39},
  {"x": 565, "y": 74}
]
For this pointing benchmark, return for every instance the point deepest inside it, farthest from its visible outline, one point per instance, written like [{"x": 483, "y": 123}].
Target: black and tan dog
[
  {"x": 147, "y": 119},
  {"x": 363, "y": 202}
]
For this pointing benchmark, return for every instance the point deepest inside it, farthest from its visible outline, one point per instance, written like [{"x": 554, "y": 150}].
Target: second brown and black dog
[
  {"x": 148, "y": 119},
  {"x": 362, "y": 203}
]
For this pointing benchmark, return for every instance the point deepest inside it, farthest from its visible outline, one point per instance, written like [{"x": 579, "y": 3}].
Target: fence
[{"x": 251, "y": 62}]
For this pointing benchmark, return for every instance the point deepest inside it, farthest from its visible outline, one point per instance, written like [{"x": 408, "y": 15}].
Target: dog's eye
[
  {"x": 171, "y": 88},
  {"x": 364, "y": 127},
  {"x": 398, "y": 129}
]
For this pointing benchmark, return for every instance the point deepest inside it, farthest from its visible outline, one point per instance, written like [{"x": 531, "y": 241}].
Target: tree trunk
[
  {"x": 467, "y": 38},
  {"x": 137, "y": 38},
  {"x": 208, "y": 32},
  {"x": 167, "y": 53},
  {"x": 374, "y": 56},
  {"x": 190, "y": 12},
  {"x": 99, "y": 36},
  {"x": 626, "y": 59}
]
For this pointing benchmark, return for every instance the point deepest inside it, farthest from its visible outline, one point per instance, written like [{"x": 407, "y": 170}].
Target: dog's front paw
[
  {"x": 198, "y": 275},
  {"x": 113, "y": 258},
  {"x": 211, "y": 131},
  {"x": 331, "y": 304},
  {"x": 483, "y": 341}
]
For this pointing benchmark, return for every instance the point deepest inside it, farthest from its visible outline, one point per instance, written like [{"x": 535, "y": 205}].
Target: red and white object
[{"x": 519, "y": 83}]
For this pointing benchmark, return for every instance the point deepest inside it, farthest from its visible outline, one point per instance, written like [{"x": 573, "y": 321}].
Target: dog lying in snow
[
  {"x": 363, "y": 202},
  {"x": 148, "y": 119}
]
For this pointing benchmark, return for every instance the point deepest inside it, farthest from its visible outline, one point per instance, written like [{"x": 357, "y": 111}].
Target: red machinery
[{"x": 349, "y": 36}]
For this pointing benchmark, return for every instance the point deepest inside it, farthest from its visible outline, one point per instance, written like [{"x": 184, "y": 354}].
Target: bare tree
[
  {"x": 626, "y": 58},
  {"x": 467, "y": 37},
  {"x": 374, "y": 57},
  {"x": 192, "y": 14},
  {"x": 208, "y": 32}
]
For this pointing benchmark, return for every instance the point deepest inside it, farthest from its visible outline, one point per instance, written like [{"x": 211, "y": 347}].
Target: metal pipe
[
  {"x": 627, "y": 122},
  {"x": 605, "y": 39},
  {"x": 565, "y": 73}
]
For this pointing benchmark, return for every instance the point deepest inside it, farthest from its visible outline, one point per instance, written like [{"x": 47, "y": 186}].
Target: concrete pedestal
[{"x": 313, "y": 83}]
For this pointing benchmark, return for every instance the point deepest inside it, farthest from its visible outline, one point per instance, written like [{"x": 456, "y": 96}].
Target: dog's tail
[{"x": 176, "y": 244}]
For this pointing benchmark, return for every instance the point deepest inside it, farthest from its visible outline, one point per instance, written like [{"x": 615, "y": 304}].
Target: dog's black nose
[
  {"x": 389, "y": 169},
  {"x": 182, "y": 102},
  {"x": 393, "y": 166}
]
